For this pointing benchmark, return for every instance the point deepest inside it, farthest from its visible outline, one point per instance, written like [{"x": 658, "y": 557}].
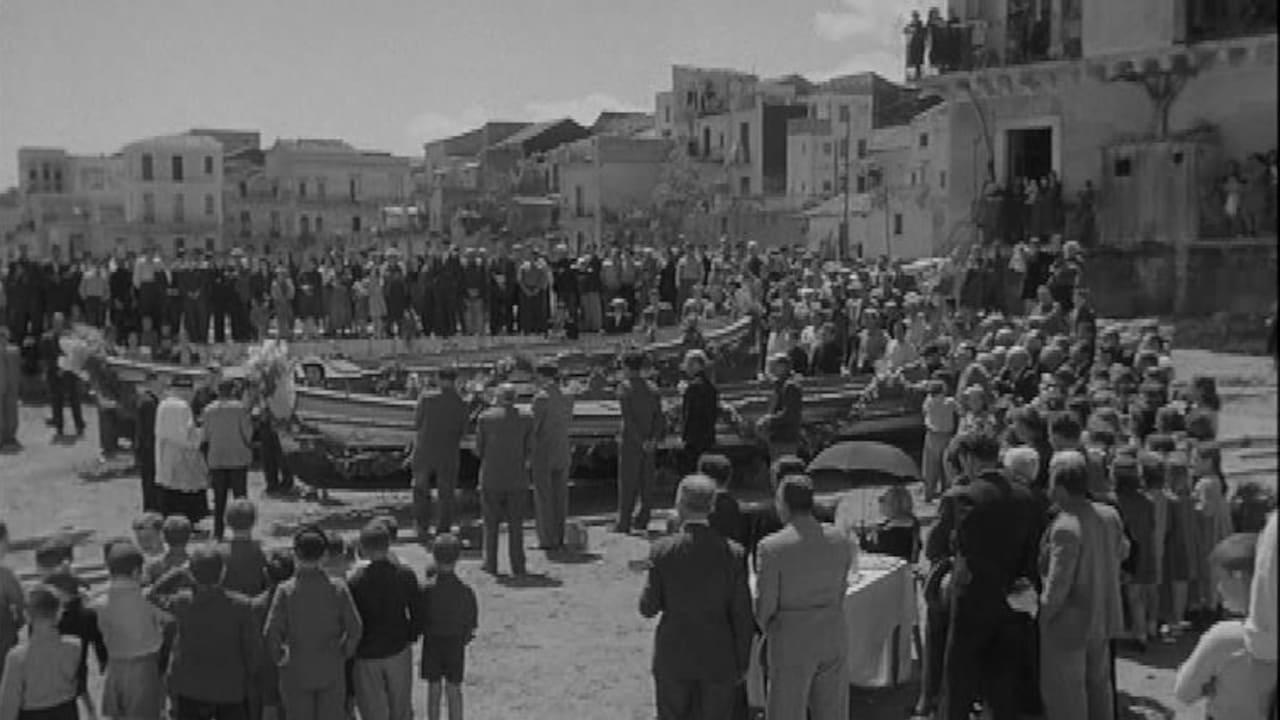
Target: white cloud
[
  {"x": 432, "y": 125},
  {"x": 872, "y": 30},
  {"x": 583, "y": 109}
]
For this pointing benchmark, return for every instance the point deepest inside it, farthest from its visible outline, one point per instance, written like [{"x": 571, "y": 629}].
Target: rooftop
[{"x": 188, "y": 142}]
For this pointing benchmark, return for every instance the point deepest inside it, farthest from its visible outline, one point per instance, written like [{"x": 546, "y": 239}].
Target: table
[{"x": 880, "y": 609}]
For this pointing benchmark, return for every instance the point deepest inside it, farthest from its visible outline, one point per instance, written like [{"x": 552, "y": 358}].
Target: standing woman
[
  {"x": 360, "y": 304},
  {"x": 310, "y": 304},
  {"x": 377, "y": 302},
  {"x": 282, "y": 299},
  {"x": 340, "y": 303}
]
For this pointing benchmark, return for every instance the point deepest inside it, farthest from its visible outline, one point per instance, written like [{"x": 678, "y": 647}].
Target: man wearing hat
[
  {"x": 552, "y": 455},
  {"x": 439, "y": 423},
  {"x": 643, "y": 426},
  {"x": 144, "y": 439},
  {"x": 504, "y": 444}
]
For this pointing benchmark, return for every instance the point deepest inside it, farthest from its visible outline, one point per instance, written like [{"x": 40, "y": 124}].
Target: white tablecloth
[{"x": 880, "y": 608}]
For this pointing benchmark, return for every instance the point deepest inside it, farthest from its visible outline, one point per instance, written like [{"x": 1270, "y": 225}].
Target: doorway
[{"x": 1029, "y": 152}]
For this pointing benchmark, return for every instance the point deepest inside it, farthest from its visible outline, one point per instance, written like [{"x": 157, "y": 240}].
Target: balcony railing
[{"x": 941, "y": 48}]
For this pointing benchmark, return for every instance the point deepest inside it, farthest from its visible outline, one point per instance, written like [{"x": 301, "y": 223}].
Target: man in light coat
[
  {"x": 1081, "y": 609},
  {"x": 552, "y": 453},
  {"x": 804, "y": 572},
  {"x": 504, "y": 443},
  {"x": 439, "y": 423}
]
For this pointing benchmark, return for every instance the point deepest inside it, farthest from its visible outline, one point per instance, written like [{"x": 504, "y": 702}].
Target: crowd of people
[{"x": 1081, "y": 504}]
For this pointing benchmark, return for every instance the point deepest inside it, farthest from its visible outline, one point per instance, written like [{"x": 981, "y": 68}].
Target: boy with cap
[
  {"x": 41, "y": 677},
  {"x": 133, "y": 631},
  {"x": 312, "y": 628},
  {"x": 450, "y": 616},
  {"x": 217, "y": 645}
]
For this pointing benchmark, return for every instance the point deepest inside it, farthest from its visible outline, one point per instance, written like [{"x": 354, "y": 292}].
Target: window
[
  {"x": 666, "y": 113},
  {"x": 913, "y": 178},
  {"x": 244, "y": 189},
  {"x": 355, "y": 224},
  {"x": 826, "y": 186},
  {"x": 319, "y": 225},
  {"x": 57, "y": 180},
  {"x": 209, "y": 207},
  {"x": 826, "y": 148},
  {"x": 208, "y": 164},
  {"x": 942, "y": 178},
  {"x": 897, "y": 223},
  {"x": 179, "y": 208},
  {"x": 148, "y": 167},
  {"x": 353, "y": 189},
  {"x": 924, "y": 140},
  {"x": 721, "y": 136},
  {"x": 275, "y": 224},
  {"x": 844, "y": 148},
  {"x": 861, "y": 184},
  {"x": 744, "y": 185},
  {"x": 210, "y": 244},
  {"x": 862, "y": 147},
  {"x": 148, "y": 208},
  {"x": 246, "y": 223},
  {"x": 690, "y": 98},
  {"x": 177, "y": 168},
  {"x": 320, "y": 189},
  {"x": 302, "y": 188},
  {"x": 577, "y": 201},
  {"x": 1123, "y": 167},
  {"x": 304, "y": 225},
  {"x": 179, "y": 244},
  {"x": 844, "y": 113},
  {"x": 744, "y": 141}
]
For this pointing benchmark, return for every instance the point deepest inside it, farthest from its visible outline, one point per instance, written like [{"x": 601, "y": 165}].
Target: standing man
[
  {"x": 10, "y": 380},
  {"x": 504, "y": 442},
  {"x": 699, "y": 410},
  {"x": 502, "y": 278},
  {"x": 227, "y": 429},
  {"x": 552, "y": 454},
  {"x": 642, "y": 428},
  {"x": 781, "y": 426},
  {"x": 64, "y": 387},
  {"x": 173, "y": 278},
  {"x": 144, "y": 441},
  {"x": 804, "y": 571},
  {"x": 447, "y": 286},
  {"x": 475, "y": 286},
  {"x": 697, "y": 581},
  {"x": 1081, "y": 609},
  {"x": 996, "y": 536},
  {"x": 439, "y": 422}
]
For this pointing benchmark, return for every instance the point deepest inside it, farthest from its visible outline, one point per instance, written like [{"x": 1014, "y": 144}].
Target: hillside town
[{"x": 944, "y": 395}]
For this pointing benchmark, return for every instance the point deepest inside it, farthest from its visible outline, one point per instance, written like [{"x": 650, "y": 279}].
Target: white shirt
[{"x": 1260, "y": 628}]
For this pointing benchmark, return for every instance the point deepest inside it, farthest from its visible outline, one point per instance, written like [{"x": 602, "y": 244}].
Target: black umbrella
[{"x": 861, "y": 461}]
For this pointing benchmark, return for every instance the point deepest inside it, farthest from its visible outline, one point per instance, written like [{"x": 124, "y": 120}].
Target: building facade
[
  {"x": 602, "y": 181},
  {"x": 173, "y": 193}
]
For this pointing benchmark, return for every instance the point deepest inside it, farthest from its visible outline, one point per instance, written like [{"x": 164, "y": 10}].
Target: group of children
[{"x": 234, "y": 631}]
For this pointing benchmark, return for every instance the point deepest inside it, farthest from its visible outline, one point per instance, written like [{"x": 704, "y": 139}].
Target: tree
[{"x": 681, "y": 191}]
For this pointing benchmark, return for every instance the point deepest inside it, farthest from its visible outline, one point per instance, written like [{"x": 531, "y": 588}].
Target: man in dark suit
[
  {"x": 699, "y": 409},
  {"x": 439, "y": 422},
  {"x": 642, "y": 428},
  {"x": 726, "y": 514},
  {"x": 996, "y": 537},
  {"x": 502, "y": 278},
  {"x": 504, "y": 443},
  {"x": 144, "y": 440},
  {"x": 697, "y": 581}
]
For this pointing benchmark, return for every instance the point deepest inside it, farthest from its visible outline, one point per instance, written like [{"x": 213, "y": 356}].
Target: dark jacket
[
  {"x": 217, "y": 646},
  {"x": 784, "y": 412},
  {"x": 996, "y": 541},
  {"x": 697, "y": 582},
  {"x": 726, "y": 517},
  {"x": 449, "y": 608},
  {"x": 699, "y": 413},
  {"x": 314, "y": 617},
  {"x": 78, "y": 620},
  {"x": 387, "y": 597}
]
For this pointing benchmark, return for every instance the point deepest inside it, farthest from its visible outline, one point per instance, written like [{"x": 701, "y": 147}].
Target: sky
[{"x": 391, "y": 74}]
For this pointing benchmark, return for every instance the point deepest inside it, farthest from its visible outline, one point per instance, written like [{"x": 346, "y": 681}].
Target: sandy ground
[{"x": 568, "y": 643}]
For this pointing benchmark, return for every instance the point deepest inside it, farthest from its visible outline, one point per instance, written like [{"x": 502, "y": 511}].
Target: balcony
[
  {"x": 943, "y": 48},
  {"x": 1209, "y": 20}
]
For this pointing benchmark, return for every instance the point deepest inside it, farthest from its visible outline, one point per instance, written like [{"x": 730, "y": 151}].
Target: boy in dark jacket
[{"x": 450, "y": 616}]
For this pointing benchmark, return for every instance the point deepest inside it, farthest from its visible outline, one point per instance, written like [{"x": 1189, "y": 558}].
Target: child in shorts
[{"x": 451, "y": 617}]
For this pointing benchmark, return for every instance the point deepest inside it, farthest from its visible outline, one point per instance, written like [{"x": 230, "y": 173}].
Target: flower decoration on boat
[{"x": 270, "y": 369}]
